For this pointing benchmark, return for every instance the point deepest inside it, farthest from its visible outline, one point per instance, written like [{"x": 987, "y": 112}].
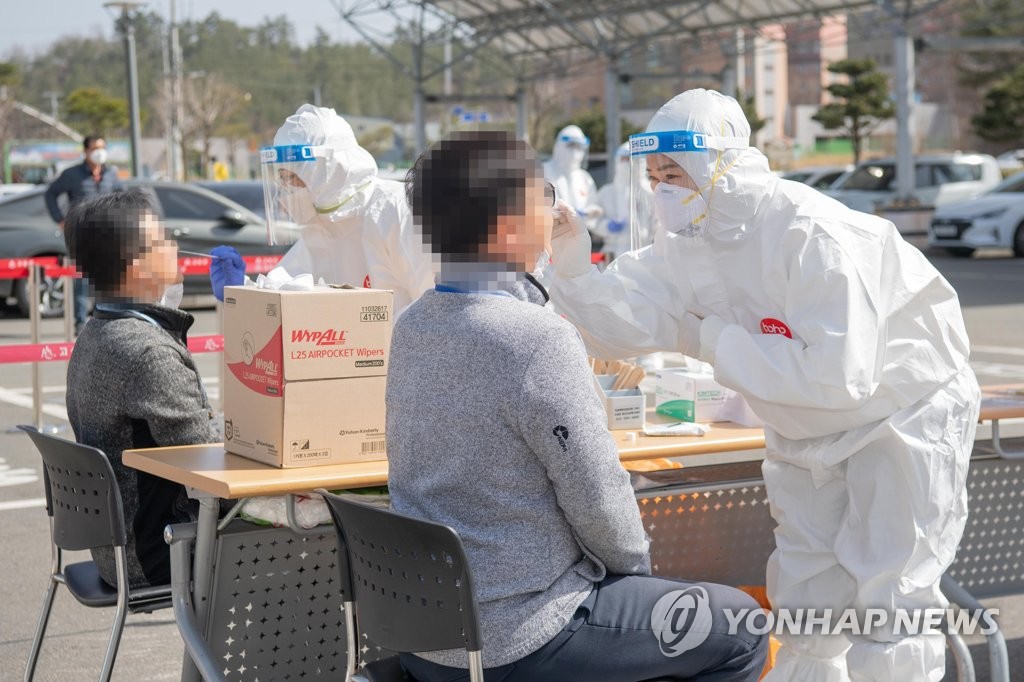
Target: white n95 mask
[
  {"x": 680, "y": 210},
  {"x": 297, "y": 203},
  {"x": 98, "y": 156},
  {"x": 173, "y": 295}
]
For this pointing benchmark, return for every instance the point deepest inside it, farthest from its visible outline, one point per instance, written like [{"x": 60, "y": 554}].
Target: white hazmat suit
[
  {"x": 359, "y": 230},
  {"x": 564, "y": 170},
  {"x": 852, "y": 349},
  {"x": 613, "y": 198}
]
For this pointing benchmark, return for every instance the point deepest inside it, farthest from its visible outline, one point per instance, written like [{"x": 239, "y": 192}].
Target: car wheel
[
  {"x": 960, "y": 251},
  {"x": 51, "y": 296},
  {"x": 1018, "y": 241}
]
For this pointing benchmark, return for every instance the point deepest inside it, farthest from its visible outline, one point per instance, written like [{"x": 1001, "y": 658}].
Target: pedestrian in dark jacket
[
  {"x": 91, "y": 177},
  {"x": 132, "y": 382}
]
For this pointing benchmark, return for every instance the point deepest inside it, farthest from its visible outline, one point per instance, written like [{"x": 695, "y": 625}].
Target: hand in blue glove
[
  {"x": 616, "y": 226},
  {"x": 227, "y": 269}
]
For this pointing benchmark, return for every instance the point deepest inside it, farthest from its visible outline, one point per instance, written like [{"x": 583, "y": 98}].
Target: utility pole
[
  {"x": 127, "y": 27},
  {"x": 177, "y": 103},
  {"x": 53, "y": 96}
]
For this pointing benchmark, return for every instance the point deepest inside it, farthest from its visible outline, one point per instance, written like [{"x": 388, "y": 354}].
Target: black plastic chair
[
  {"x": 84, "y": 505},
  {"x": 411, "y": 584}
]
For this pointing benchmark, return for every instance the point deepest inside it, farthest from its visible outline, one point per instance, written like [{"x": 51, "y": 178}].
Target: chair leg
[
  {"x": 44, "y": 619},
  {"x": 961, "y": 657},
  {"x": 119, "y": 616}
]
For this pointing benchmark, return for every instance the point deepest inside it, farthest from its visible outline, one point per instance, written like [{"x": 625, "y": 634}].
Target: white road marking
[
  {"x": 30, "y": 503},
  {"x": 998, "y": 350},
  {"x": 13, "y": 398},
  {"x": 20, "y": 476}
]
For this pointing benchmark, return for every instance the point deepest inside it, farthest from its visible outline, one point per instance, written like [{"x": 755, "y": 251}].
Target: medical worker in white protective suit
[
  {"x": 354, "y": 228},
  {"x": 564, "y": 170},
  {"x": 843, "y": 339},
  {"x": 614, "y": 198}
]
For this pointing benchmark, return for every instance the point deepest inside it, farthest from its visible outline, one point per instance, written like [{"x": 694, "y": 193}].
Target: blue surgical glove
[
  {"x": 227, "y": 269},
  {"x": 616, "y": 226}
]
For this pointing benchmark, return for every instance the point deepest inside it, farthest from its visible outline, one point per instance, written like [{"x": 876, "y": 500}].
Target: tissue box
[
  {"x": 690, "y": 396},
  {"x": 626, "y": 409},
  {"x": 305, "y": 374}
]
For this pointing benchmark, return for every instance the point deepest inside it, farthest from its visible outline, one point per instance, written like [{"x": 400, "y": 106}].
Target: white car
[
  {"x": 12, "y": 188},
  {"x": 995, "y": 220},
  {"x": 818, "y": 177},
  {"x": 940, "y": 179}
]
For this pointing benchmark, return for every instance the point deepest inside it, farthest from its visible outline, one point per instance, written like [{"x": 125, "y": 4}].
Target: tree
[
  {"x": 747, "y": 103},
  {"x": 9, "y": 78},
  {"x": 862, "y": 102},
  {"x": 96, "y": 112},
  {"x": 1002, "y": 119},
  {"x": 592, "y": 123},
  {"x": 210, "y": 102}
]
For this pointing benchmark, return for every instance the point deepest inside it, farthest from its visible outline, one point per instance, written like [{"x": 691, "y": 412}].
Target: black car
[{"x": 196, "y": 218}]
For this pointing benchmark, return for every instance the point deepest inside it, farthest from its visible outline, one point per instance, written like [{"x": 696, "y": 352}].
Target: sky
[{"x": 34, "y": 25}]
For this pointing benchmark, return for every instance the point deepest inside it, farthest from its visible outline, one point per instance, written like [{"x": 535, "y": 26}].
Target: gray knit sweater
[
  {"x": 133, "y": 384},
  {"x": 494, "y": 428}
]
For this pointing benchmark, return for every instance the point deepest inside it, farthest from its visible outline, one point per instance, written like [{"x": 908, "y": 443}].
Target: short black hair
[
  {"x": 104, "y": 235},
  {"x": 89, "y": 139},
  {"x": 461, "y": 185}
]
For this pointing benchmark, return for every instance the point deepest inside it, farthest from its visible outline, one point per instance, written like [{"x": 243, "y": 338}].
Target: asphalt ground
[{"x": 991, "y": 291}]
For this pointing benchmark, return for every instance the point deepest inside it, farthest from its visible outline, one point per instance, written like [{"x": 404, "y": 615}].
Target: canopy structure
[{"x": 535, "y": 38}]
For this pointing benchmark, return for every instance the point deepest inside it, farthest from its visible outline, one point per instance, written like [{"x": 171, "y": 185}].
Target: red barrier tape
[
  {"x": 61, "y": 352},
  {"x": 17, "y": 268}
]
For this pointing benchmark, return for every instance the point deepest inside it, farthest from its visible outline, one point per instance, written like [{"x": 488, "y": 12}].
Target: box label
[{"x": 260, "y": 370}]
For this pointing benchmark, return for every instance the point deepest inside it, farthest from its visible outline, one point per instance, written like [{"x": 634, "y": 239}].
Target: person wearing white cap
[
  {"x": 573, "y": 184},
  {"x": 353, "y": 227},
  {"x": 843, "y": 338}
]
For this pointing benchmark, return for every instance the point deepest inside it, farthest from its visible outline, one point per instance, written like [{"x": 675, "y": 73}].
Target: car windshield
[
  {"x": 247, "y": 194},
  {"x": 870, "y": 177},
  {"x": 1014, "y": 183}
]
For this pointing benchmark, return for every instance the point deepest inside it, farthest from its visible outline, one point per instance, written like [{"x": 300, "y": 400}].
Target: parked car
[
  {"x": 247, "y": 193},
  {"x": 196, "y": 218},
  {"x": 939, "y": 179},
  {"x": 1011, "y": 161},
  {"x": 818, "y": 177},
  {"x": 12, "y": 188},
  {"x": 994, "y": 220}
]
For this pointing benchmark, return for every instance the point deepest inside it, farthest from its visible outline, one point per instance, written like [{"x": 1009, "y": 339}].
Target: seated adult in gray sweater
[
  {"x": 495, "y": 429},
  {"x": 131, "y": 379}
]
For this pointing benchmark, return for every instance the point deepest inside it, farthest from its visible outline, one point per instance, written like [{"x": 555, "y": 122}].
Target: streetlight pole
[{"x": 127, "y": 27}]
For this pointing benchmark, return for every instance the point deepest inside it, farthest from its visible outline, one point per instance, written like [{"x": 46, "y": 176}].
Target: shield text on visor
[{"x": 287, "y": 199}]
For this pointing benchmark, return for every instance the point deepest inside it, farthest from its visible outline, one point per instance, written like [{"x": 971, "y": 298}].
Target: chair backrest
[
  {"x": 82, "y": 496},
  {"x": 410, "y": 579}
]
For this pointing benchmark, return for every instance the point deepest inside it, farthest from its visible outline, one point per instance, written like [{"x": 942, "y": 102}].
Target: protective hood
[
  {"x": 570, "y": 149},
  {"x": 341, "y": 178},
  {"x": 735, "y": 182}
]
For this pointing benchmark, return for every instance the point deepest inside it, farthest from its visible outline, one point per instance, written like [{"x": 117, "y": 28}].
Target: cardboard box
[
  {"x": 690, "y": 396},
  {"x": 305, "y": 374},
  {"x": 626, "y": 409}
]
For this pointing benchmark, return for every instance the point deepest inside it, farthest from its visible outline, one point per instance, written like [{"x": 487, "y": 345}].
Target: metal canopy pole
[
  {"x": 522, "y": 126},
  {"x": 612, "y": 120},
  {"x": 904, "y": 53}
]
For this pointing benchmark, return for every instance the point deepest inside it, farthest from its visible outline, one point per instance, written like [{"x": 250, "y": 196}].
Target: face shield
[
  {"x": 663, "y": 196},
  {"x": 288, "y": 201}
]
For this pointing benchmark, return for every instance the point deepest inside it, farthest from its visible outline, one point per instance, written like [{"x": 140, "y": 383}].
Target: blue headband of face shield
[
  {"x": 291, "y": 153},
  {"x": 570, "y": 140},
  {"x": 681, "y": 141}
]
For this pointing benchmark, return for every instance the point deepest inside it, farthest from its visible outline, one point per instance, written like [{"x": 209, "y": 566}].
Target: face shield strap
[{"x": 331, "y": 209}]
